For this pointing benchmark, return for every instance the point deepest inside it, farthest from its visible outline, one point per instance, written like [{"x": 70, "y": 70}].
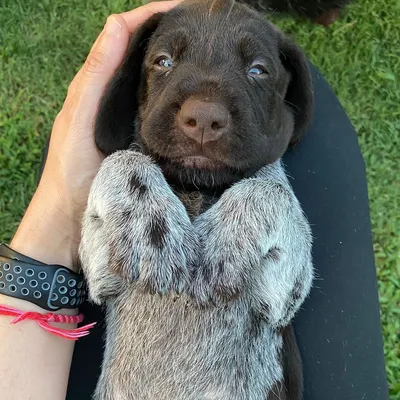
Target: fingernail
[{"x": 113, "y": 26}]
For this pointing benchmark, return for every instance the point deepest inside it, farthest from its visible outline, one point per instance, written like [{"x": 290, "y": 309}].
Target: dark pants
[{"x": 338, "y": 329}]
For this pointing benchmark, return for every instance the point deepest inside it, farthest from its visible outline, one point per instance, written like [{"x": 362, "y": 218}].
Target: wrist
[
  {"x": 27, "y": 306},
  {"x": 50, "y": 230}
]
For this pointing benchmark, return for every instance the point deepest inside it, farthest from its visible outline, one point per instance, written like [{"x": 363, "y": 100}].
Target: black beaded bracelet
[{"x": 51, "y": 287}]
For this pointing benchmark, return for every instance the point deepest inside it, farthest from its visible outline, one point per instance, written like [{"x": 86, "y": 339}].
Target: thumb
[{"x": 105, "y": 56}]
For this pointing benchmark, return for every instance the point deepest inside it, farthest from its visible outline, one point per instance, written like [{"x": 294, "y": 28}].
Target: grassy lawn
[{"x": 42, "y": 43}]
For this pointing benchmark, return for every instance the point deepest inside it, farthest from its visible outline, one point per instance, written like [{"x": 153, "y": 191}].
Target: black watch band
[{"x": 51, "y": 287}]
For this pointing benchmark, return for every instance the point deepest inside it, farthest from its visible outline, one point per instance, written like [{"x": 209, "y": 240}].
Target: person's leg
[
  {"x": 88, "y": 356},
  {"x": 338, "y": 329}
]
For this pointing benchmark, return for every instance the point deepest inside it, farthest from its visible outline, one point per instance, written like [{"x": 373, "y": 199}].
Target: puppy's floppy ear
[
  {"x": 299, "y": 96},
  {"x": 114, "y": 125}
]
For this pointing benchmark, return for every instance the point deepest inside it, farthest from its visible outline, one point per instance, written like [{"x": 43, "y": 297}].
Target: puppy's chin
[
  {"x": 202, "y": 163},
  {"x": 199, "y": 172}
]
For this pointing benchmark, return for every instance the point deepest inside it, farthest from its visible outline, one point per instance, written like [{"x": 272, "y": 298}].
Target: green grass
[{"x": 42, "y": 44}]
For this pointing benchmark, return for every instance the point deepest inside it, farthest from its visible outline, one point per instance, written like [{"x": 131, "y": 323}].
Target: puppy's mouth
[
  {"x": 199, "y": 162},
  {"x": 194, "y": 160}
]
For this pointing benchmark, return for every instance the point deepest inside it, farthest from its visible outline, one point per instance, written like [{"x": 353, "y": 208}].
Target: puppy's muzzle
[{"x": 203, "y": 121}]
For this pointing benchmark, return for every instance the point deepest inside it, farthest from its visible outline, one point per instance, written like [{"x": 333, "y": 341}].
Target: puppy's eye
[
  {"x": 257, "y": 70},
  {"x": 164, "y": 62}
]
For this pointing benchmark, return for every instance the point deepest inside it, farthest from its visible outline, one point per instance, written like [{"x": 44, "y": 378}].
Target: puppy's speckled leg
[
  {"x": 135, "y": 229},
  {"x": 256, "y": 241}
]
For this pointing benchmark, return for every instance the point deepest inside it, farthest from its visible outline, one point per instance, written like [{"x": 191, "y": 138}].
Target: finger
[
  {"x": 103, "y": 60},
  {"x": 136, "y": 17},
  {"x": 107, "y": 52}
]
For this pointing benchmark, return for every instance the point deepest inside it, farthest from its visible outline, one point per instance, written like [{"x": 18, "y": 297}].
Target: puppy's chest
[{"x": 197, "y": 201}]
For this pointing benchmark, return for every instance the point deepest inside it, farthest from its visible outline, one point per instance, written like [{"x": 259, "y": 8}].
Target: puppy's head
[{"x": 211, "y": 90}]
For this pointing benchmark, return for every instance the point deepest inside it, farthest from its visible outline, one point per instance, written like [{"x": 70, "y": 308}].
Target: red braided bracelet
[{"x": 44, "y": 319}]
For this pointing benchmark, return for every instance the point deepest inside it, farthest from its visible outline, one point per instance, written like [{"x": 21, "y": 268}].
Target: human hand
[{"x": 50, "y": 229}]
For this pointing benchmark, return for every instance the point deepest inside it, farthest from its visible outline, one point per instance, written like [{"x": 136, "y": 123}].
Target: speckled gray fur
[{"x": 242, "y": 268}]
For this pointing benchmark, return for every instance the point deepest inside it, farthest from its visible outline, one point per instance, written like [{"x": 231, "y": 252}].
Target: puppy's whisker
[
  {"x": 271, "y": 13},
  {"x": 211, "y": 8},
  {"x": 132, "y": 135},
  {"x": 282, "y": 54},
  {"x": 182, "y": 181},
  {"x": 194, "y": 183},
  {"x": 146, "y": 143},
  {"x": 230, "y": 10},
  {"x": 142, "y": 43},
  {"x": 293, "y": 105},
  {"x": 136, "y": 147},
  {"x": 275, "y": 393}
]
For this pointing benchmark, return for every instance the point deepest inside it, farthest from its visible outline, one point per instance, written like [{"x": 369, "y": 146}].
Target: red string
[{"x": 44, "y": 319}]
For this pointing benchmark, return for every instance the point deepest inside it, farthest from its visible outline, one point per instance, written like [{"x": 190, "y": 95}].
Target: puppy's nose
[{"x": 203, "y": 121}]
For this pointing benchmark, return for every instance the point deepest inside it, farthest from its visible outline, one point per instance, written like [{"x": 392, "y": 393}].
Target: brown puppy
[{"x": 214, "y": 94}]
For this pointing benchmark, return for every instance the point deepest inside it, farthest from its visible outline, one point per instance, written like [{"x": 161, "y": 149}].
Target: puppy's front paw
[
  {"x": 135, "y": 229},
  {"x": 234, "y": 235}
]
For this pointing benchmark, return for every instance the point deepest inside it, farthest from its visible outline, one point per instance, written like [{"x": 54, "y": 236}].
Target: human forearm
[{"x": 34, "y": 364}]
